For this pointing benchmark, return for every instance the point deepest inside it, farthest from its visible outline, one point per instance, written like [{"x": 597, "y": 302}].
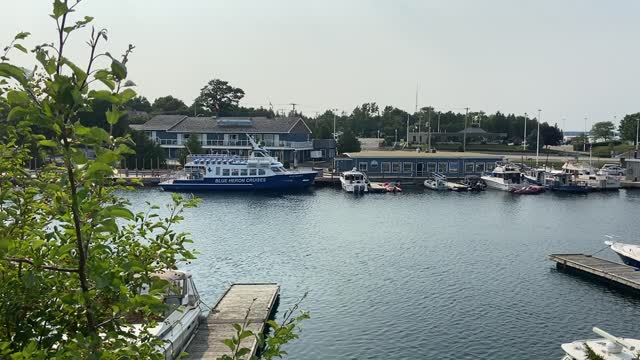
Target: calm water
[{"x": 419, "y": 275}]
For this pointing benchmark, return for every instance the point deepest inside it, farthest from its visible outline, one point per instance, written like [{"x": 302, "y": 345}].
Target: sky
[{"x": 570, "y": 58}]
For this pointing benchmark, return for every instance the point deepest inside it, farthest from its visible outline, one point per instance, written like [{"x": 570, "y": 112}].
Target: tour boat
[
  {"x": 259, "y": 171},
  {"x": 504, "y": 177},
  {"x": 182, "y": 317},
  {"x": 354, "y": 181},
  {"x": 589, "y": 175},
  {"x": 628, "y": 253},
  {"x": 608, "y": 347}
]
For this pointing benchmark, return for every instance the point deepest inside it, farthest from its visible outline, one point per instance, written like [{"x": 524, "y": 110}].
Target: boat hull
[
  {"x": 571, "y": 189},
  {"x": 629, "y": 261},
  {"x": 276, "y": 182},
  {"x": 493, "y": 184}
]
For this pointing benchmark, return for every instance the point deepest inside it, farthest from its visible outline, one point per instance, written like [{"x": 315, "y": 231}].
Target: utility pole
[
  {"x": 439, "y": 113},
  {"x": 524, "y": 136},
  {"x": 464, "y": 135},
  {"x": 294, "y": 107},
  {"x": 584, "y": 143},
  {"x": 407, "y": 139},
  {"x": 538, "y": 138},
  {"x": 637, "y": 131}
]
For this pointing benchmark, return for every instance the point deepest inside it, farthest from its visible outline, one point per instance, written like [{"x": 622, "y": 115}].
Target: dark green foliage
[
  {"x": 590, "y": 354},
  {"x": 148, "y": 154},
  {"x": 348, "y": 142},
  {"x": 218, "y": 97},
  {"x": 168, "y": 105},
  {"x": 192, "y": 146},
  {"x": 138, "y": 103},
  {"x": 602, "y": 130},
  {"x": 629, "y": 126}
]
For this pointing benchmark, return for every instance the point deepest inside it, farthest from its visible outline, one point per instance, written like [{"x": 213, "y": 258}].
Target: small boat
[
  {"x": 259, "y": 171},
  {"x": 354, "y": 181},
  {"x": 436, "y": 183},
  {"x": 182, "y": 316},
  {"x": 608, "y": 347},
  {"x": 565, "y": 183},
  {"x": 589, "y": 175},
  {"x": 504, "y": 177},
  {"x": 529, "y": 190},
  {"x": 394, "y": 188},
  {"x": 628, "y": 253},
  {"x": 474, "y": 183}
]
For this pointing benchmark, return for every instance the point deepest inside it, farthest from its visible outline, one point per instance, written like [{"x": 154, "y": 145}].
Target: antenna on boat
[{"x": 616, "y": 340}]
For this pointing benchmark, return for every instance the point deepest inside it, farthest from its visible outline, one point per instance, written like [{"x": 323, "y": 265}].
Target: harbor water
[{"x": 418, "y": 275}]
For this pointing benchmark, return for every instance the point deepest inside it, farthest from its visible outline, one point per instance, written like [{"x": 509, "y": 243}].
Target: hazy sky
[{"x": 570, "y": 58}]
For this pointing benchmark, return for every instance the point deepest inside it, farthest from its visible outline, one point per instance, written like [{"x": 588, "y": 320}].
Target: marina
[
  {"x": 254, "y": 301},
  {"x": 620, "y": 275}
]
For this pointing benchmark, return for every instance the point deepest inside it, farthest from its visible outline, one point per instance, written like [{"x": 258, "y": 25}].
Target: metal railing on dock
[
  {"x": 606, "y": 271},
  {"x": 231, "y": 309}
]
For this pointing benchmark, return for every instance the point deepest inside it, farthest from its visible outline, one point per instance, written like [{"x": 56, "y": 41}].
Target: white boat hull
[{"x": 495, "y": 183}]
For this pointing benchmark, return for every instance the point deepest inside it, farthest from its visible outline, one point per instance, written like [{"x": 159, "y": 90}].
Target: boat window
[
  {"x": 276, "y": 170},
  {"x": 261, "y": 172},
  {"x": 407, "y": 167},
  {"x": 442, "y": 167},
  {"x": 235, "y": 172},
  {"x": 479, "y": 167},
  {"x": 225, "y": 172},
  {"x": 252, "y": 172},
  {"x": 243, "y": 172},
  {"x": 396, "y": 167},
  {"x": 386, "y": 167},
  {"x": 363, "y": 166},
  {"x": 218, "y": 170},
  {"x": 469, "y": 167},
  {"x": 453, "y": 167}
]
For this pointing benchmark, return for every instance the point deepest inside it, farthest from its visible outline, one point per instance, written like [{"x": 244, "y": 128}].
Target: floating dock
[
  {"x": 619, "y": 275},
  {"x": 231, "y": 309}
]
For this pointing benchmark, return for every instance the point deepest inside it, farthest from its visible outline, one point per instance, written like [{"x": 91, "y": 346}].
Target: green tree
[
  {"x": 218, "y": 96},
  {"x": 169, "y": 105},
  {"x": 602, "y": 130},
  {"x": 348, "y": 142},
  {"x": 629, "y": 126},
  {"x": 73, "y": 257},
  {"x": 148, "y": 154},
  {"x": 192, "y": 146}
]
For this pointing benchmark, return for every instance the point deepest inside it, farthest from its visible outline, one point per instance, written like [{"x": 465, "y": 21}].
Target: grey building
[
  {"x": 287, "y": 138},
  {"x": 632, "y": 172}
]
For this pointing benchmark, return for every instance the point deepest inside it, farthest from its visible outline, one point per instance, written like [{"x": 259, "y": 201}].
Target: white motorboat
[
  {"x": 628, "y": 253},
  {"x": 183, "y": 314},
  {"x": 504, "y": 177},
  {"x": 608, "y": 347},
  {"x": 354, "y": 181},
  {"x": 436, "y": 183},
  {"x": 589, "y": 175}
]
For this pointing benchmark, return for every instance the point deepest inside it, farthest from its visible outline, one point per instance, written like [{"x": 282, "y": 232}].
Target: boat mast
[{"x": 538, "y": 138}]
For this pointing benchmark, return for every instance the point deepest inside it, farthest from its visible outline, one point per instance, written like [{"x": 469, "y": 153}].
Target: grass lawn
[{"x": 605, "y": 150}]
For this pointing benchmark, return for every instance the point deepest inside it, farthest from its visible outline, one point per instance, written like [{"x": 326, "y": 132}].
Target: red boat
[
  {"x": 392, "y": 187},
  {"x": 531, "y": 189}
]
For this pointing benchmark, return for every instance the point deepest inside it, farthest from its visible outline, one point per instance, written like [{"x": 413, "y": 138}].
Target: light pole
[
  {"x": 334, "y": 124},
  {"x": 584, "y": 143},
  {"x": 464, "y": 135},
  {"x": 637, "y": 131},
  {"x": 396, "y": 136},
  {"x": 524, "y": 136},
  {"x": 538, "y": 138}
]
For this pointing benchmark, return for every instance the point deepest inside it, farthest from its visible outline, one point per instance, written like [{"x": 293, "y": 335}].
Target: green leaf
[
  {"x": 129, "y": 83},
  {"x": 47, "y": 143},
  {"x": 16, "y": 111},
  {"x": 11, "y": 71},
  {"x": 245, "y": 334},
  {"x": 126, "y": 95},
  {"x": 15, "y": 97},
  {"x": 105, "y": 77},
  {"x": 22, "y": 35},
  {"x": 113, "y": 116},
  {"x": 237, "y": 327},
  {"x": 229, "y": 344},
  {"x": 97, "y": 167},
  {"x": 118, "y": 69},
  {"x": 242, "y": 352},
  {"x": 59, "y": 8},
  {"x": 103, "y": 95},
  {"x": 20, "y": 47},
  {"x": 119, "y": 212},
  {"x": 77, "y": 71}
]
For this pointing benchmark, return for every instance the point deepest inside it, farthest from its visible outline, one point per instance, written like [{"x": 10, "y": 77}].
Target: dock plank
[
  {"x": 231, "y": 309},
  {"x": 602, "y": 269}
]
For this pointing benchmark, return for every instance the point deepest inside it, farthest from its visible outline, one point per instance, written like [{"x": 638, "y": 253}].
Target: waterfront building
[
  {"x": 286, "y": 138},
  {"x": 417, "y": 164},
  {"x": 632, "y": 169}
]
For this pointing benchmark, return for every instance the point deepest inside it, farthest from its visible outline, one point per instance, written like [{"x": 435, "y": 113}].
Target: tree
[
  {"x": 629, "y": 126},
  {"x": 138, "y": 103},
  {"x": 169, "y": 105},
  {"x": 73, "y": 257},
  {"x": 551, "y": 135},
  {"x": 348, "y": 142},
  {"x": 192, "y": 146},
  {"x": 602, "y": 130},
  {"x": 148, "y": 154},
  {"x": 218, "y": 96}
]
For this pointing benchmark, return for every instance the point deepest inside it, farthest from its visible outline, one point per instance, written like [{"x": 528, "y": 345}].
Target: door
[{"x": 420, "y": 169}]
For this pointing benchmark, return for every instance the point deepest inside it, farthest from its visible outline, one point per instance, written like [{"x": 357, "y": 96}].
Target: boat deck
[
  {"x": 231, "y": 309},
  {"x": 610, "y": 272}
]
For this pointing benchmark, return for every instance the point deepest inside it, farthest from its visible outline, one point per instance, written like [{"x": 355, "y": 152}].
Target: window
[
  {"x": 225, "y": 172},
  {"x": 261, "y": 172},
  {"x": 252, "y": 172},
  {"x": 235, "y": 172},
  {"x": 407, "y": 167},
  {"x": 453, "y": 167},
  {"x": 431, "y": 167},
  {"x": 479, "y": 167},
  {"x": 362, "y": 166},
  {"x": 469, "y": 167},
  {"x": 386, "y": 167},
  {"x": 490, "y": 166},
  {"x": 218, "y": 170},
  {"x": 442, "y": 167},
  {"x": 395, "y": 168},
  {"x": 243, "y": 172}
]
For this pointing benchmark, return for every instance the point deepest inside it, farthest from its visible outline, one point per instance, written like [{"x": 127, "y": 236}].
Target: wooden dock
[
  {"x": 231, "y": 309},
  {"x": 619, "y": 275}
]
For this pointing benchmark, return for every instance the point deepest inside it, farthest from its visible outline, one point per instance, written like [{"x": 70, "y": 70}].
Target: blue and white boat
[
  {"x": 628, "y": 253},
  {"x": 259, "y": 171}
]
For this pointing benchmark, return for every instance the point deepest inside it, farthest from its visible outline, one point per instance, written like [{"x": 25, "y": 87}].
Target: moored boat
[
  {"x": 354, "y": 181},
  {"x": 259, "y": 171},
  {"x": 567, "y": 184},
  {"x": 608, "y": 347},
  {"x": 529, "y": 190},
  {"x": 628, "y": 253},
  {"x": 504, "y": 177},
  {"x": 437, "y": 183},
  {"x": 589, "y": 175}
]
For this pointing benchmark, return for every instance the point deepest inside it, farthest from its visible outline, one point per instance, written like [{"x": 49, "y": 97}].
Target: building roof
[
  {"x": 185, "y": 124},
  {"x": 137, "y": 127},
  {"x": 413, "y": 154}
]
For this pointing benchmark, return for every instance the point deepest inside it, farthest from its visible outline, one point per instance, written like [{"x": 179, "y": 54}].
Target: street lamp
[
  {"x": 637, "y": 131},
  {"x": 538, "y": 138},
  {"x": 524, "y": 136}
]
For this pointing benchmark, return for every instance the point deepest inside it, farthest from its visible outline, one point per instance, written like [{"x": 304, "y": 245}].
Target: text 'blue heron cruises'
[{"x": 259, "y": 171}]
